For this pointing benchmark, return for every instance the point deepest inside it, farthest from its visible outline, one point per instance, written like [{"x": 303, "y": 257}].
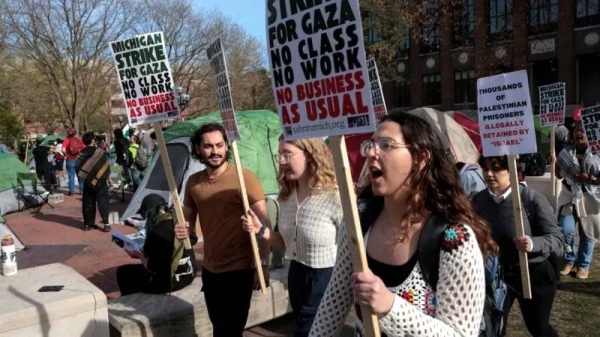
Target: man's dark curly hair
[{"x": 196, "y": 139}]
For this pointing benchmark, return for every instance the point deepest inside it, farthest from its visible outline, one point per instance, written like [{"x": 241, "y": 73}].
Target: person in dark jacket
[
  {"x": 93, "y": 171},
  {"x": 122, "y": 152},
  {"x": 42, "y": 166},
  {"x": 158, "y": 273},
  {"x": 542, "y": 237}
]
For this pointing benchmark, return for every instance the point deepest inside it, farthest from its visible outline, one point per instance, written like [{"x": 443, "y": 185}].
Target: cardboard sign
[
  {"x": 318, "y": 68},
  {"x": 376, "y": 90},
  {"x": 219, "y": 68},
  {"x": 552, "y": 104},
  {"x": 505, "y": 115},
  {"x": 591, "y": 123},
  {"x": 146, "y": 80}
]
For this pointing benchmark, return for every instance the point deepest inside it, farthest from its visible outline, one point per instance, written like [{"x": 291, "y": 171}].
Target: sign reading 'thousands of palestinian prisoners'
[
  {"x": 552, "y": 104},
  {"x": 505, "y": 115},
  {"x": 219, "y": 67},
  {"x": 591, "y": 123},
  {"x": 146, "y": 80},
  {"x": 318, "y": 68},
  {"x": 376, "y": 91}
]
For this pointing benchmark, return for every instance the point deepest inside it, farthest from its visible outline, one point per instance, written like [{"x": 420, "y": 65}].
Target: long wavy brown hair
[
  {"x": 319, "y": 167},
  {"x": 434, "y": 181}
]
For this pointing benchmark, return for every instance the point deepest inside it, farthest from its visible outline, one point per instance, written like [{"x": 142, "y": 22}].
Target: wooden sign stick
[
  {"x": 26, "y": 150},
  {"x": 353, "y": 230},
  {"x": 164, "y": 156},
  {"x": 553, "y": 167},
  {"x": 240, "y": 174},
  {"x": 518, "y": 216}
]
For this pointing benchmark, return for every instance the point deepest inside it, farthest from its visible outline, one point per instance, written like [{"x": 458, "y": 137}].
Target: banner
[
  {"x": 318, "y": 68},
  {"x": 376, "y": 90},
  {"x": 552, "y": 104},
  {"x": 219, "y": 68},
  {"x": 146, "y": 80},
  {"x": 505, "y": 115},
  {"x": 591, "y": 123}
]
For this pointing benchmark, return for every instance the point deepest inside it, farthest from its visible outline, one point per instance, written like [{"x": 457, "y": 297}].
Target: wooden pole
[
  {"x": 518, "y": 216},
  {"x": 553, "y": 166},
  {"x": 353, "y": 230},
  {"x": 26, "y": 151},
  {"x": 164, "y": 156},
  {"x": 240, "y": 174}
]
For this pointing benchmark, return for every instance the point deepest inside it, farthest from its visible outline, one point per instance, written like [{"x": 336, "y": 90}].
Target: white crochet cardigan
[{"x": 454, "y": 310}]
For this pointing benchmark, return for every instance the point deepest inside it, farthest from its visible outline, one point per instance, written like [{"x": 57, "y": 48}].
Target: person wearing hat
[
  {"x": 72, "y": 145},
  {"x": 158, "y": 273},
  {"x": 3, "y": 148},
  {"x": 42, "y": 166}
]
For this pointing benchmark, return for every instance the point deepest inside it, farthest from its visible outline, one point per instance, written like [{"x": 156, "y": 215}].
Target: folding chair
[
  {"x": 30, "y": 193},
  {"x": 117, "y": 191}
]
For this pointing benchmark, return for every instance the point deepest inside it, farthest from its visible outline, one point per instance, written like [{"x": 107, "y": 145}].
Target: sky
[{"x": 249, "y": 14}]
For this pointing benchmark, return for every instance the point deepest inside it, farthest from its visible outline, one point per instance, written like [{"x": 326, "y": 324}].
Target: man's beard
[{"x": 211, "y": 165}]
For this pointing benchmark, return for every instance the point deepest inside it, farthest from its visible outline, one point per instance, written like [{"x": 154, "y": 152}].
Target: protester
[
  {"x": 72, "y": 145},
  {"x": 3, "y": 147},
  {"x": 471, "y": 178},
  {"x": 158, "y": 274},
  {"x": 42, "y": 166},
  {"x": 93, "y": 172},
  {"x": 542, "y": 237},
  {"x": 122, "y": 151},
  {"x": 311, "y": 215},
  {"x": 412, "y": 180},
  {"x": 213, "y": 195},
  {"x": 579, "y": 201},
  {"x": 135, "y": 172}
]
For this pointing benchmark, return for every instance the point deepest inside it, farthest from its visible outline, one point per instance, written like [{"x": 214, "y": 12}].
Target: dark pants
[
  {"x": 44, "y": 175},
  {"x": 536, "y": 311},
  {"x": 91, "y": 197},
  {"x": 134, "y": 278},
  {"x": 228, "y": 298},
  {"x": 306, "y": 286}
]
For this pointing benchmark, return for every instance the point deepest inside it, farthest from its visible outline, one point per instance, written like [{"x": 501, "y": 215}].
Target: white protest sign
[
  {"x": 219, "y": 68},
  {"x": 552, "y": 104},
  {"x": 376, "y": 91},
  {"x": 146, "y": 80},
  {"x": 505, "y": 115},
  {"x": 591, "y": 123},
  {"x": 318, "y": 68}
]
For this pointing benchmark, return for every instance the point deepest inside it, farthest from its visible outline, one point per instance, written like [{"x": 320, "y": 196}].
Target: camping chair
[
  {"x": 31, "y": 194},
  {"x": 117, "y": 191}
]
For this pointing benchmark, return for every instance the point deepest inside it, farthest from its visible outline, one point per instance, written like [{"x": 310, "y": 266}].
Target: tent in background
[{"x": 10, "y": 165}]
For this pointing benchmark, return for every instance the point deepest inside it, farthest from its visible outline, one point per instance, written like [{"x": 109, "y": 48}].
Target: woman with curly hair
[
  {"x": 412, "y": 181},
  {"x": 311, "y": 214}
]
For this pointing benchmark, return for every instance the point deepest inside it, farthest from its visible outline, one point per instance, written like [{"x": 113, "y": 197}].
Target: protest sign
[
  {"x": 318, "y": 68},
  {"x": 145, "y": 76},
  {"x": 321, "y": 85},
  {"x": 505, "y": 115},
  {"x": 591, "y": 123},
  {"x": 376, "y": 91},
  {"x": 552, "y": 104},
  {"x": 506, "y": 124},
  {"x": 219, "y": 67}
]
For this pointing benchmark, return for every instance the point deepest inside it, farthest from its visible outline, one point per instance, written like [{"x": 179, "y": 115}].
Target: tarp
[
  {"x": 9, "y": 166},
  {"x": 471, "y": 127}
]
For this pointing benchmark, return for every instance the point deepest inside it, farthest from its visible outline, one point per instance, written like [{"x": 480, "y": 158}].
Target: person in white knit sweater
[
  {"x": 310, "y": 219},
  {"x": 411, "y": 179}
]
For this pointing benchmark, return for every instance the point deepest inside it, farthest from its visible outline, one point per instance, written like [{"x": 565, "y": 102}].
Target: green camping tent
[
  {"x": 259, "y": 132},
  {"x": 9, "y": 166}
]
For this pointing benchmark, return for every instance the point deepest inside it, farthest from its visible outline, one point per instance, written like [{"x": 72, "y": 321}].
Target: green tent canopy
[{"x": 10, "y": 165}]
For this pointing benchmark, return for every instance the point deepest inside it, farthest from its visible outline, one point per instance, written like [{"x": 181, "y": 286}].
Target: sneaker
[
  {"x": 567, "y": 269},
  {"x": 87, "y": 228},
  {"x": 582, "y": 274}
]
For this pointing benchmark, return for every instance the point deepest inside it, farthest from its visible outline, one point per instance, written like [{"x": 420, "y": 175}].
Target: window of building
[
  {"x": 373, "y": 31},
  {"x": 543, "y": 16},
  {"x": 432, "y": 89},
  {"x": 430, "y": 43},
  {"x": 402, "y": 89},
  {"x": 588, "y": 13},
  {"x": 501, "y": 20},
  {"x": 465, "y": 86},
  {"x": 404, "y": 33},
  {"x": 464, "y": 24}
]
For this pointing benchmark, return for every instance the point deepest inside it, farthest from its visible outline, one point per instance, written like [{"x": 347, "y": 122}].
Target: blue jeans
[
  {"x": 71, "y": 170},
  {"x": 586, "y": 245}
]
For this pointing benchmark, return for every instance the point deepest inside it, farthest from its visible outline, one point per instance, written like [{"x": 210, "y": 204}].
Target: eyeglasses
[
  {"x": 380, "y": 145},
  {"x": 284, "y": 157}
]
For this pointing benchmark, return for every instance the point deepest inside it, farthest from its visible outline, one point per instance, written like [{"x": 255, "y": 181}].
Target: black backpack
[{"x": 492, "y": 321}]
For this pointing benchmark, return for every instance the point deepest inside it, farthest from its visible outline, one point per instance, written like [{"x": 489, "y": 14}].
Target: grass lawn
[{"x": 576, "y": 310}]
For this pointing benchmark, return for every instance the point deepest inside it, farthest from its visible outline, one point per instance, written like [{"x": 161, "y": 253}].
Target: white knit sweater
[
  {"x": 310, "y": 229},
  {"x": 454, "y": 310}
]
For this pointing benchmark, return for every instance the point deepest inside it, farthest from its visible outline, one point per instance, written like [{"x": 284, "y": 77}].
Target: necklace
[{"x": 399, "y": 238}]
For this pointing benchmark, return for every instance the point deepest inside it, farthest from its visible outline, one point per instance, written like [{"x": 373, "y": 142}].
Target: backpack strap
[{"x": 429, "y": 248}]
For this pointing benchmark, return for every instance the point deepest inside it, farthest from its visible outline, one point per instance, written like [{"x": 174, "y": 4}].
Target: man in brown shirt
[{"x": 214, "y": 194}]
